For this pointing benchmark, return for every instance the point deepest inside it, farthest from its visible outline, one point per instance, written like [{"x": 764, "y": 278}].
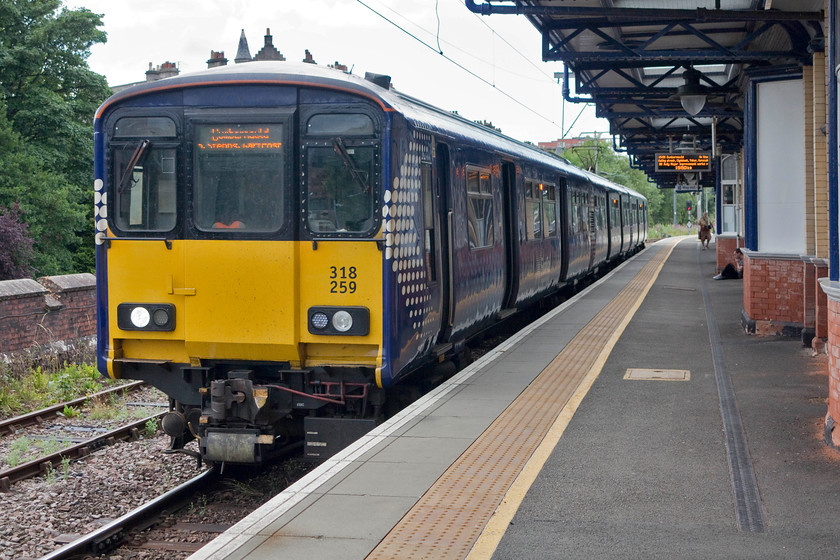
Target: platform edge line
[{"x": 495, "y": 529}]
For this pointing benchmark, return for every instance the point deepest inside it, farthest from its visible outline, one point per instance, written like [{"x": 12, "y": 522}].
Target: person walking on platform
[
  {"x": 733, "y": 271},
  {"x": 705, "y": 233}
]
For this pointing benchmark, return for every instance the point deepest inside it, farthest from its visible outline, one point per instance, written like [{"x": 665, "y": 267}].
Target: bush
[
  {"x": 15, "y": 245},
  {"x": 24, "y": 391}
]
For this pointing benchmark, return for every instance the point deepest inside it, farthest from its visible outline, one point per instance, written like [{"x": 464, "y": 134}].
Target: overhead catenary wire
[
  {"x": 453, "y": 46},
  {"x": 461, "y": 66}
]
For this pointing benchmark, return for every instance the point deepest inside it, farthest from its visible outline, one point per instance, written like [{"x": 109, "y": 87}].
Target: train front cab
[{"x": 226, "y": 275}]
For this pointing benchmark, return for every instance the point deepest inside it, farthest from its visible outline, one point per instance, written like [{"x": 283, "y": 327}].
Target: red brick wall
[
  {"x": 809, "y": 295},
  {"x": 774, "y": 292},
  {"x": 725, "y": 246},
  {"x": 53, "y": 309},
  {"x": 834, "y": 366},
  {"x": 821, "y": 306}
]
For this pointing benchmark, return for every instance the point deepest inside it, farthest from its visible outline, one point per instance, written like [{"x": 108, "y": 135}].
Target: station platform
[{"x": 637, "y": 420}]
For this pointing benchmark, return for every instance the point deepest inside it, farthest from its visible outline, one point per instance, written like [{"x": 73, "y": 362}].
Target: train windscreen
[{"x": 238, "y": 177}]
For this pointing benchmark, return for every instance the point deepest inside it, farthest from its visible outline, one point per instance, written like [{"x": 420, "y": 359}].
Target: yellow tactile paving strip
[{"x": 450, "y": 517}]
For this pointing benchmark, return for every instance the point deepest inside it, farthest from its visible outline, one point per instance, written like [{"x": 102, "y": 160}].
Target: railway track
[
  {"x": 111, "y": 535},
  {"x": 182, "y": 520},
  {"x": 78, "y": 450},
  {"x": 42, "y": 465},
  {"x": 11, "y": 425}
]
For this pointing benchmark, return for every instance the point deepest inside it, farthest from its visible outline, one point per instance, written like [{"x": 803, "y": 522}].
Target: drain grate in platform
[{"x": 658, "y": 374}]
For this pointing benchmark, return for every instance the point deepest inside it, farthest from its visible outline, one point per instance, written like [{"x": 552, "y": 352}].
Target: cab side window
[
  {"x": 144, "y": 165},
  {"x": 341, "y": 173}
]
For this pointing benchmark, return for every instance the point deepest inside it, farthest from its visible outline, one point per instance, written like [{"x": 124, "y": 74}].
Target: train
[{"x": 281, "y": 247}]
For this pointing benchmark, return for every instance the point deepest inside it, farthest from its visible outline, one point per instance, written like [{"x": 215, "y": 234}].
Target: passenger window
[
  {"x": 479, "y": 208},
  {"x": 533, "y": 212},
  {"x": 550, "y": 210}
]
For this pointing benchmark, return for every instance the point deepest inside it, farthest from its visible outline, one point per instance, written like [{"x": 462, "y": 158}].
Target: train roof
[
  {"x": 419, "y": 113},
  {"x": 606, "y": 183}
]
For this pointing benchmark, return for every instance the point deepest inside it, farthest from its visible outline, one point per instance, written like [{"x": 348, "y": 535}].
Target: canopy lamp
[{"x": 692, "y": 95}]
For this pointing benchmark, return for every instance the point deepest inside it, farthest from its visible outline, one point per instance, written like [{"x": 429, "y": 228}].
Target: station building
[{"x": 750, "y": 83}]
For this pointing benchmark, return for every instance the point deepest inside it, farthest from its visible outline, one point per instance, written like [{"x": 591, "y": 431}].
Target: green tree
[{"x": 48, "y": 97}]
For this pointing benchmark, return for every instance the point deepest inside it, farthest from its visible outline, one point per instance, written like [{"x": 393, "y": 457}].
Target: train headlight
[
  {"x": 146, "y": 316},
  {"x": 353, "y": 321},
  {"x": 140, "y": 317},
  {"x": 342, "y": 321}
]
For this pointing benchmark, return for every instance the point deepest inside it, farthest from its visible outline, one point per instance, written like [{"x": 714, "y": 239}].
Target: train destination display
[
  {"x": 682, "y": 163},
  {"x": 252, "y": 137}
]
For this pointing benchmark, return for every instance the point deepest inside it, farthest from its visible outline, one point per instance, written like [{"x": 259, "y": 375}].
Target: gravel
[
  {"x": 80, "y": 496},
  {"x": 92, "y": 492}
]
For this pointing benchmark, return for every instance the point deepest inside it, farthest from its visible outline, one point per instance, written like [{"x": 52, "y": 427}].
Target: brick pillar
[
  {"x": 832, "y": 290},
  {"x": 820, "y": 306},
  {"x": 809, "y": 301},
  {"x": 725, "y": 245},
  {"x": 774, "y": 287}
]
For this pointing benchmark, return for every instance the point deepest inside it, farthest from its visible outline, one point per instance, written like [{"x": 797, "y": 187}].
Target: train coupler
[{"x": 243, "y": 446}]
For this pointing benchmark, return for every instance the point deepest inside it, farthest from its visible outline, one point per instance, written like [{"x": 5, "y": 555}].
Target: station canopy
[{"x": 662, "y": 70}]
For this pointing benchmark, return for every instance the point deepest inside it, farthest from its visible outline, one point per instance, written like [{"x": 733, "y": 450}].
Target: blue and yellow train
[{"x": 280, "y": 245}]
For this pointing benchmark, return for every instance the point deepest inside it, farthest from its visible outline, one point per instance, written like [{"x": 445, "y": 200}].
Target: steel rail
[
  {"x": 43, "y": 464},
  {"x": 9, "y": 425},
  {"x": 107, "y": 536}
]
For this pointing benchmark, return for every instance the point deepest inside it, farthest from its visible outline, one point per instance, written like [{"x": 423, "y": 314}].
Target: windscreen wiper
[
  {"x": 128, "y": 172},
  {"x": 341, "y": 150}
]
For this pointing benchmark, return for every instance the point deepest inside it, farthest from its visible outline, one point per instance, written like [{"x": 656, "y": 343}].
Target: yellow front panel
[
  {"x": 146, "y": 272},
  {"x": 342, "y": 273},
  {"x": 245, "y": 302}
]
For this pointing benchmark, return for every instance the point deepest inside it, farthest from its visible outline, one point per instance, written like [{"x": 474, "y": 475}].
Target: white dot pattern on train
[
  {"x": 100, "y": 211},
  {"x": 403, "y": 246}
]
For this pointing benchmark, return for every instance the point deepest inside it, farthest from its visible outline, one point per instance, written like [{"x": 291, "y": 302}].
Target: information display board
[
  {"x": 682, "y": 163},
  {"x": 252, "y": 137}
]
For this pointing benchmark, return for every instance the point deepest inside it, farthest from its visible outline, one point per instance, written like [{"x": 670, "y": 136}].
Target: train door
[
  {"x": 565, "y": 228},
  {"x": 444, "y": 225},
  {"x": 511, "y": 225},
  {"x": 240, "y": 282}
]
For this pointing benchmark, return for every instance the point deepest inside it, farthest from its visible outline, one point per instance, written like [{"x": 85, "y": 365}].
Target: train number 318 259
[{"x": 342, "y": 279}]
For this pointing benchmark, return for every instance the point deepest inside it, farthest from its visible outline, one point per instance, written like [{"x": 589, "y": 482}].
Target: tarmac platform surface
[{"x": 637, "y": 420}]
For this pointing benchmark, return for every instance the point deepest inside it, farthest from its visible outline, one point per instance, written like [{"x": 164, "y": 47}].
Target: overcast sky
[{"x": 514, "y": 89}]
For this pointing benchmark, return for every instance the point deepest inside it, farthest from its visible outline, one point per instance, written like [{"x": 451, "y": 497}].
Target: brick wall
[
  {"x": 52, "y": 309},
  {"x": 725, "y": 245},
  {"x": 821, "y": 311},
  {"x": 833, "y": 371},
  {"x": 774, "y": 293}
]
